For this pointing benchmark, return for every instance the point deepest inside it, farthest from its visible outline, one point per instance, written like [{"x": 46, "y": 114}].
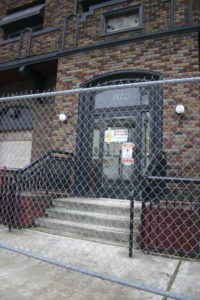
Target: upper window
[
  {"x": 20, "y": 18},
  {"x": 121, "y": 20},
  {"x": 87, "y": 3}
]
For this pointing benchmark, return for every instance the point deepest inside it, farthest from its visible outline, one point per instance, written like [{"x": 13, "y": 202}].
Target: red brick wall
[
  {"x": 173, "y": 56},
  {"x": 196, "y": 12},
  {"x": 3, "y": 8},
  {"x": 8, "y": 51},
  {"x": 17, "y": 3},
  {"x": 56, "y": 11},
  {"x": 48, "y": 41},
  {"x": 156, "y": 18}
]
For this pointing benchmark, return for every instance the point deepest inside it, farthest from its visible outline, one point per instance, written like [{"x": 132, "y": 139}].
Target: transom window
[{"x": 122, "y": 98}]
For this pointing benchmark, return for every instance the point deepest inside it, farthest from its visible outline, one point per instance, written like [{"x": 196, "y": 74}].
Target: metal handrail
[
  {"x": 148, "y": 177},
  {"x": 39, "y": 159},
  {"x": 164, "y": 179},
  {"x": 194, "y": 180},
  {"x": 15, "y": 183}
]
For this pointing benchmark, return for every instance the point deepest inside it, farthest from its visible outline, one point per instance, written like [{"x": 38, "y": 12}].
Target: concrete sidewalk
[{"x": 22, "y": 277}]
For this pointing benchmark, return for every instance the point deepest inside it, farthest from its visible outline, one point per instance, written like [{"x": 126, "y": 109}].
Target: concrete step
[
  {"x": 104, "y": 220},
  {"x": 89, "y": 217},
  {"x": 95, "y": 238},
  {"x": 84, "y": 231},
  {"x": 108, "y": 206}
]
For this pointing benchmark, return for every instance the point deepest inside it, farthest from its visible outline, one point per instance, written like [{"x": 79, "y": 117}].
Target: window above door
[{"x": 122, "y": 98}]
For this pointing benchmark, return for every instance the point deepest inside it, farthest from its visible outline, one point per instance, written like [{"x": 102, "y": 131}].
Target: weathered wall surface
[
  {"x": 174, "y": 55},
  {"x": 156, "y": 18}
]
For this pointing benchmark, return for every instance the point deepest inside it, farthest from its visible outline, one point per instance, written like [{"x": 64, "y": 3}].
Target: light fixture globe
[
  {"x": 180, "y": 109},
  {"x": 62, "y": 117}
]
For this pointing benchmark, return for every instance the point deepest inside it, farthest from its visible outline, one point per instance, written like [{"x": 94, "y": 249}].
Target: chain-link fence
[{"x": 114, "y": 165}]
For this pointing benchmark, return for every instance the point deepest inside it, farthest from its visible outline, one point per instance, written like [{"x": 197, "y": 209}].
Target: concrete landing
[{"x": 25, "y": 278}]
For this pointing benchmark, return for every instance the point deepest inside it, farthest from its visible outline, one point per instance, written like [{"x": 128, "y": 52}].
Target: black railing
[
  {"x": 150, "y": 190},
  {"x": 170, "y": 217},
  {"x": 169, "y": 223},
  {"x": 50, "y": 172}
]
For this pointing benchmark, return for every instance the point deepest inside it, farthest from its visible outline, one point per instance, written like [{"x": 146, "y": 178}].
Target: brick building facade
[{"x": 67, "y": 44}]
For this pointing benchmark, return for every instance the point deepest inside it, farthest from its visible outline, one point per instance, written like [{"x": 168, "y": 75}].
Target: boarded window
[
  {"x": 15, "y": 154},
  {"x": 122, "y": 20}
]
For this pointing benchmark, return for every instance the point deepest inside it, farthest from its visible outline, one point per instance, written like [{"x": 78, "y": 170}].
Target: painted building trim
[{"x": 57, "y": 54}]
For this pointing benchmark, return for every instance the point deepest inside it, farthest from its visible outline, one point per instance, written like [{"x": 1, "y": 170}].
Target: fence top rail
[{"x": 103, "y": 88}]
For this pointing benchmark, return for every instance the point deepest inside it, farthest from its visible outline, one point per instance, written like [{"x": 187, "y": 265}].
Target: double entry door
[{"x": 119, "y": 153}]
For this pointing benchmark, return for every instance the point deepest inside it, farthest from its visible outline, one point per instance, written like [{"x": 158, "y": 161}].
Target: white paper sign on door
[
  {"x": 127, "y": 153},
  {"x": 116, "y": 136},
  {"x": 121, "y": 135}
]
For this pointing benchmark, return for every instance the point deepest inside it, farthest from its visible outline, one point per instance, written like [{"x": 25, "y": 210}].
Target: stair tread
[
  {"x": 91, "y": 218},
  {"x": 96, "y": 201},
  {"x": 86, "y": 213},
  {"x": 92, "y": 214},
  {"x": 83, "y": 225},
  {"x": 121, "y": 204}
]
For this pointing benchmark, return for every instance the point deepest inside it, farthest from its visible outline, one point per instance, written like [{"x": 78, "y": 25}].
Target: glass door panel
[
  {"x": 120, "y": 154},
  {"x": 118, "y": 133}
]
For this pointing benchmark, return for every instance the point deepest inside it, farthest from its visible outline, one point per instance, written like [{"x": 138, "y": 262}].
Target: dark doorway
[{"x": 118, "y": 131}]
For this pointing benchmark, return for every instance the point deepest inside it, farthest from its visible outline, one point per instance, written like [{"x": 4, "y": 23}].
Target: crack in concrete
[{"x": 173, "y": 277}]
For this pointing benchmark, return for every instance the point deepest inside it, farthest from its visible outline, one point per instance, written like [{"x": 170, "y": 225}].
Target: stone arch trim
[{"x": 125, "y": 75}]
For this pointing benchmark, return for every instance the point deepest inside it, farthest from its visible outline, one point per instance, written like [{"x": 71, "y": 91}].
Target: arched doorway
[{"x": 118, "y": 132}]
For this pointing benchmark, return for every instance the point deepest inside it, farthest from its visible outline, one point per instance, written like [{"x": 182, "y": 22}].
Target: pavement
[{"x": 23, "y": 277}]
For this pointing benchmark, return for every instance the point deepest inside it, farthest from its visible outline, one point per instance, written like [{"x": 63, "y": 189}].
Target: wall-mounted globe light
[
  {"x": 63, "y": 117},
  {"x": 180, "y": 109}
]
